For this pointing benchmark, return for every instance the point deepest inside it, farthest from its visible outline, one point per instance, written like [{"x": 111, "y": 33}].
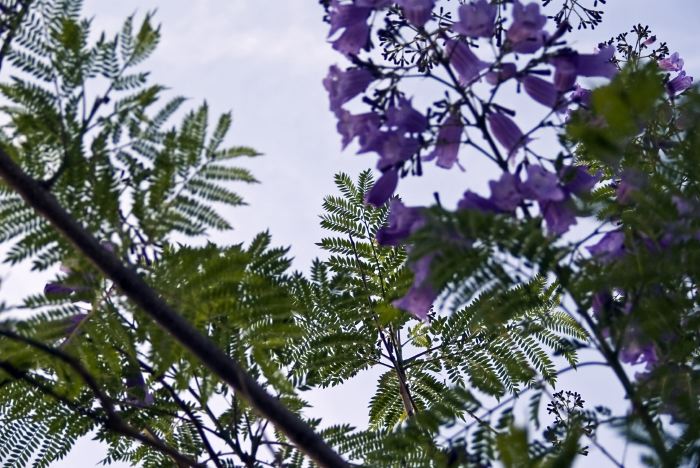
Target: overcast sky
[{"x": 265, "y": 60}]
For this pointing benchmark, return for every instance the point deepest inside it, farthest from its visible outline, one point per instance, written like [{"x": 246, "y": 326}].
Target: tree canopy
[{"x": 176, "y": 351}]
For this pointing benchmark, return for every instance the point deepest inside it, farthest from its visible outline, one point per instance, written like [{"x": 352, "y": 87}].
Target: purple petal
[
  {"x": 405, "y": 118},
  {"x": 376, "y": 4},
  {"x": 598, "y": 64},
  {"x": 505, "y": 72},
  {"x": 353, "y": 19},
  {"x": 383, "y": 189},
  {"x": 577, "y": 179},
  {"x": 565, "y": 70},
  {"x": 402, "y": 222},
  {"x": 610, "y": 247},
  {"x": 417, "y": 301},
  {"x": 525, "y": 34},
  {"x": 420, "y": 297},
  {"x": 353, "y": 39},
  {"x": 342, "y": 86},
  {"x": 475, "y": 202},
  {"x": 541, "y": 185},
  {"x": 345, "y": 16},
  {"x": 541, "y": 91},
  {"x": 672, "y": 63},
  {"x": 683, "y": 206},
  {"x": 633, "y": 352},
  {"x": 558, "y": 215},
  {"x": 73, "y": 322},
  {"x": 393, "y": 148},
  {"x": 58, "y": 289},
  {"x": 506, "y": 132},
  {"x": 504, "y": 192},
  {"x": 581, "y": 96},
  {"x": 464, "y": 61},
  {"x": 448, "y": 140},
  {"x": 361, "y": 126},
  {"x": 630, "y": 181},
  {"x": 417, "y": 12},
  {"x": 476, "y": 19},
  {"x": 679, "y": 84}
]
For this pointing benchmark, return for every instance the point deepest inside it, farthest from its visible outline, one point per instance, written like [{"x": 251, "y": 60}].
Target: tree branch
[
  {"x": 136, "y": 289},
  {"x": 112, "y": 420}
]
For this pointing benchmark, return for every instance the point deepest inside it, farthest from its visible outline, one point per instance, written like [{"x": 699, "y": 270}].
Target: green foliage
[
  {"x": 498, "y": 344},
  {"x": 84, "y": 359},
  {"x": 117, "y": 167},
  {"x": 82, "y": 118}
]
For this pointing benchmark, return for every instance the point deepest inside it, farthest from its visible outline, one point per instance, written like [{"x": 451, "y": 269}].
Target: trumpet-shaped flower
[
  {"x": 448, "y": 140},
  {"x": 342, "y": 86},
  {"x": 476, "y": 19}
]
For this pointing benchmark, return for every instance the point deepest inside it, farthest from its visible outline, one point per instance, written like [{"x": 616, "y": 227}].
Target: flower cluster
[
  {"x": 553, "y": 193},
  {"x": 470, "y": 118},
  {"x": 403, "y": 137},
  {"x": 404, "y": 221},
  {"x": 681, "y": 81}
]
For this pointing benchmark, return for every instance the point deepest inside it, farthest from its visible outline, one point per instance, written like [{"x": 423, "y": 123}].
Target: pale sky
[{"x": 265, "y": 60}]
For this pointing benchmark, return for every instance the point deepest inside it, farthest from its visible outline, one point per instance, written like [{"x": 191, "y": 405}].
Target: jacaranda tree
[{"x": 175, "y": 352}]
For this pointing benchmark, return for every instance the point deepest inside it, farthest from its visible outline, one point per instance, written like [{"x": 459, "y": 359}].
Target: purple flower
[
  {"x": 448, "y": 140},
  {"x": 505, "y": 195},
  {"x": 384, "y": 188},
  {"x": 672, "y": 63},
  {"x": 420, "y": 297},
  {"x": 630, "y": 182},
  {"x": 353, "y": 19},
  {"x": 525, "y": 34},
  {"x": 417, "y": 12},
  {"x": 477, "y": 19},
  {"x": 405, "y": 118},
  {"x": 73, "y": 322},
  {"x": 577, "y": 179},
  {"x": 581, "y": 96},
  {"x": 679, "y": 84},
  {"x": 610, "y": 247},
  {"x": 633, "y": 352},
  {"x": 417, "y": 301},
  {"x": 475, "y": 202},
  {"x": 541, "y": 185},
  {"x": 565, "y": 72},
  {"x": 361, "y": 126},
  {"x": 505, "y": 72},
  {"x": 597, "y": 64},
  {"x": 403, "y": 221},
  {"x": 376, "y": 4},
  {"x": 342, "y": 86},
  {"x": 506, "y": 132},
  {"x": 464, "y": 61},
  {"x": 558, "y": 215},
  {"x": 392, "y": 147},
  {"x": 541, "y": 91},
  {"x": 683, "y": 206},
  {"x": 58, "y": 289},
  {"x": 568, "y": 65}
]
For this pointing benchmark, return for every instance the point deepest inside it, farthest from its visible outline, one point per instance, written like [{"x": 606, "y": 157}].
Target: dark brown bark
[{"x": 149, "y": 301}]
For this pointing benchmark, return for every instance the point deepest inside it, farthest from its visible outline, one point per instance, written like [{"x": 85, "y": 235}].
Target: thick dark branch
[{"x": 148, "y": 300}]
